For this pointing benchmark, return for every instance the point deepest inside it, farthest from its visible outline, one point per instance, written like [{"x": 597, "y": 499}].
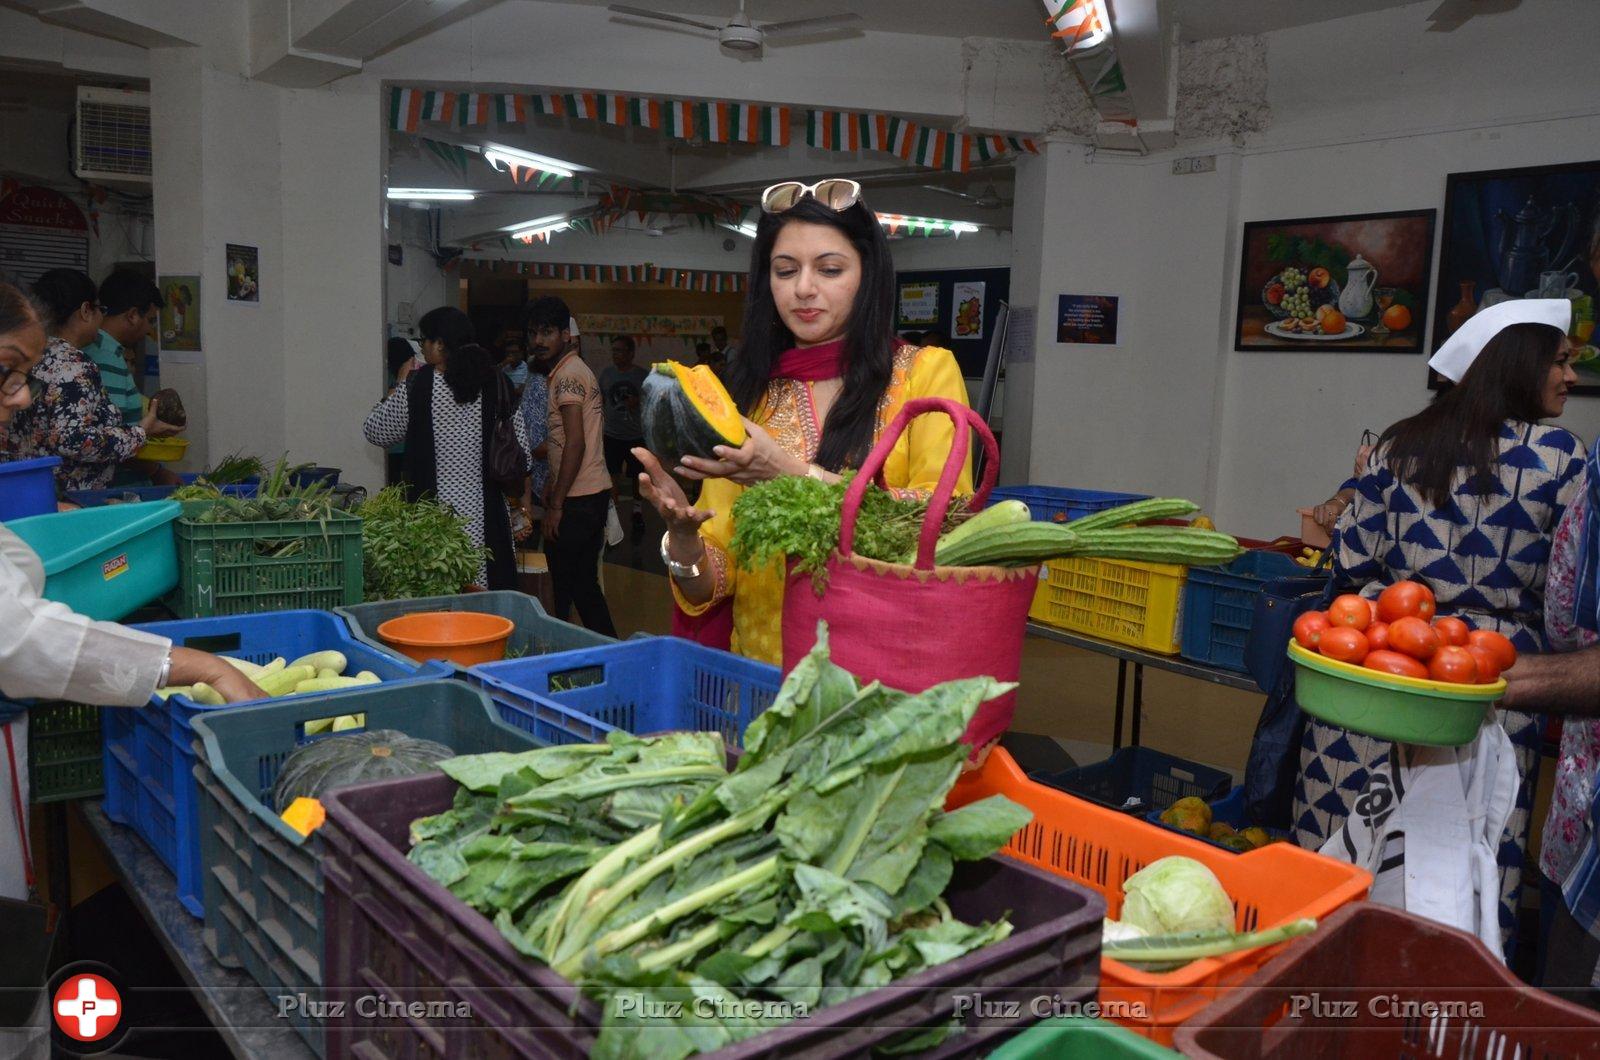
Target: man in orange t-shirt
[{"x": 578, "y": 496}]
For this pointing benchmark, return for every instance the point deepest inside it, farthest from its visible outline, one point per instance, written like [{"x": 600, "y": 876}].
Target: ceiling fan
[
  {"x": 739, "y": 33},
  {"x": 1453, "y": 14},
  {"x": 987, "y": 199}
]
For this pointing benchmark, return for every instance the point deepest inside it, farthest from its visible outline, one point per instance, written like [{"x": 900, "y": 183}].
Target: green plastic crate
[
  {"x": 534, "y": 632},
  {"x": 64, "y": 752},
  {"x": 222, "y": 570},
  {"x": 1079, "y": 1038},
  {"x": 263, "y": 880}
]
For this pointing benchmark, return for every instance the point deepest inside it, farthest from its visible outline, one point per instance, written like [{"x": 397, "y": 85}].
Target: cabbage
[{"x": 1176, "y": 895}]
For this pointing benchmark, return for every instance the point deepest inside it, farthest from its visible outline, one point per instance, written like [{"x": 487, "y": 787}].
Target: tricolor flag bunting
[{"x": 834, "y": 130}]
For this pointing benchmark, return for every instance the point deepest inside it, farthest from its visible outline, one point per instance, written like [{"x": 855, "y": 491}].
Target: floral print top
[
  {"x": 76, "y": 420},
  {"x": 1565, "y": 826}
]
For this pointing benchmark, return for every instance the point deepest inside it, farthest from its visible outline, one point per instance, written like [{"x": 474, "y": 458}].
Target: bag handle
[{"x": 961, "y": 418}]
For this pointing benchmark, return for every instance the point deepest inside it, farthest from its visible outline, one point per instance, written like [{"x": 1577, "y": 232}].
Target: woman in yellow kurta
[{"x": 818, "y": 376}]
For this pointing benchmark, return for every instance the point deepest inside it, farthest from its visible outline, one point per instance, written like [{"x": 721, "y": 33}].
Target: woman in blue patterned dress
[{"x": 1465, "y": 497}]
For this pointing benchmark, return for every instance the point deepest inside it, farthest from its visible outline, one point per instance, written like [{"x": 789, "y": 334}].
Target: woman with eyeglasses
[
  {"x": 47, "y": 651},
  {"x": 820, "y": 375},
  {"x": 73, "y": 417}
]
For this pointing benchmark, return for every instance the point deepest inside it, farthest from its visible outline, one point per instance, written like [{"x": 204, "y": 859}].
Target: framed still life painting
[
  {"x": 1352, "y": 284},
  {"x": 1523, "y": 233}
]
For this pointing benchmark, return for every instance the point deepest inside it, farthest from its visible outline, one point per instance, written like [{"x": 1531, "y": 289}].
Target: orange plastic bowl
[{"x": 465, "y": 638}]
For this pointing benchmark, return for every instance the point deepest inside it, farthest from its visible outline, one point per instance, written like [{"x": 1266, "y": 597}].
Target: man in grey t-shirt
[{"x": 620, "y": 387}]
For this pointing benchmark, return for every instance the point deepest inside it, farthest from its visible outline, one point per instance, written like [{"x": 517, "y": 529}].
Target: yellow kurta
[{"x": 789, "y": 414}]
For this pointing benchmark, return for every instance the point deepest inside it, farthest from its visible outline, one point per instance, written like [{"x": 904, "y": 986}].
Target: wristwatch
[{"x": 674, "y": 568}]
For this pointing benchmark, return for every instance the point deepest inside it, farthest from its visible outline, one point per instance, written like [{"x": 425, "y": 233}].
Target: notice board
[{"x": 970, "y": 350}]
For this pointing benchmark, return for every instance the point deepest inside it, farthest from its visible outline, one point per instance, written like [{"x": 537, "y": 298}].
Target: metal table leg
[
  {"x": 1116, "y": 725},
  {"x": 1138, "y": 701}
]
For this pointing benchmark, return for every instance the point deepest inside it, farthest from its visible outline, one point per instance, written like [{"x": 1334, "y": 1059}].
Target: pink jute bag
[{"x": 913, "y": 627}]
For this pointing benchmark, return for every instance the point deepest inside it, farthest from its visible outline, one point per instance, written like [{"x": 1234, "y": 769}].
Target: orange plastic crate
[{"x": 1100, "y": 848}]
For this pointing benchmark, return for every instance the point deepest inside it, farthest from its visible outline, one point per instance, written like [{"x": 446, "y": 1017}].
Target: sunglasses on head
[{"x": 836, "y": 194}]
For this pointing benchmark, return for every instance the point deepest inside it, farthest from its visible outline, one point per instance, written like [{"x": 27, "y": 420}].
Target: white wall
[
  {"x": 1355, "y": 129},
  {"x": 417, "y": 281}
]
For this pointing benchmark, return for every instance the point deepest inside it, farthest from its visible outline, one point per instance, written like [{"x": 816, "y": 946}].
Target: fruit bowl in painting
[
  {"x": 1278, "y": 294},
  {"x": 1389, "y": 706}
]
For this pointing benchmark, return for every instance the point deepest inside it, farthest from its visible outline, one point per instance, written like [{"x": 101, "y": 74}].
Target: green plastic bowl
[{"x": 1403, "y": 709}]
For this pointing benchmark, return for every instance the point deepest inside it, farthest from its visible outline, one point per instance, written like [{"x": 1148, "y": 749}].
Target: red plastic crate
[
  {"x": 1358, "y": 988},
  {"x": 389, "y": 929}
]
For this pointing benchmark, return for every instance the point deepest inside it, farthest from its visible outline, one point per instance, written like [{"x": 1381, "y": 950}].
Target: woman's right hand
[
  {"x": 671, "y": 503},
  {"x": 154, "y": 428}
]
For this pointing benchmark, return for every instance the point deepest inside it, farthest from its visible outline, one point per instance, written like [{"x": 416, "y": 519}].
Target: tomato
[
  {"x": 1372, "y": 605},
  {"x": 1350, "y": 610},
  {"x": 1452, "y": 631},
  {"x": 1453, "y": 664},
  {"x": 1308, "y": 629},
  {"x": 1414, "y": 637},
  {"x": 1345, "y": 644},
  {"x": 1488, "y": 665},
  {"x": 1406, "y": 599},
  {"x": 1392, "y": 662},
  {"x": 1495, "y": 644},
  {"x": 1378, "y": 636}
]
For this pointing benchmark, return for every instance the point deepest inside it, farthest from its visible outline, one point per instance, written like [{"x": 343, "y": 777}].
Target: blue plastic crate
[
  {"x": 148, "y": 752},
  {"x": 1061, "y": 504},
  {"x": 1219, "y": 606},
  {"x": 28, "y": 487},
  {"x": 534, "y": 632},
  {"x": 639, "y": 686},
  {"x": 1138, "y": 779},
  {"x": 1229, "y": 810}
]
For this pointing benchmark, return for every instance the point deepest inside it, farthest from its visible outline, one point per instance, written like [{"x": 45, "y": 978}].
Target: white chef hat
[{"x": 1462, "y": 348}]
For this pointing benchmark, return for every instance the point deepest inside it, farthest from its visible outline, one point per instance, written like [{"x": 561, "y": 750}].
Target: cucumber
[
  {"x": 283, "y": 682},
  {"x": 1006, "y": 513},
  {"x": 322, "y": 660},
  {"x": 207, "y": 696},
  {"x": 1137, "y": 512},
  {"x": 1158, "y": 544},
  {"x": 249, "y": 669},
  {"x": 1013, "y": 545}
]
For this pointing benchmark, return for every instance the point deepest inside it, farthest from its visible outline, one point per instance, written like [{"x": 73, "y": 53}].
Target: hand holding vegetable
[
  {"x": 656, "y": 486},
  {"x": 759, "y": 459},
  {"x": 190, "y": 667},
  {"x": 154, "y": 427}
]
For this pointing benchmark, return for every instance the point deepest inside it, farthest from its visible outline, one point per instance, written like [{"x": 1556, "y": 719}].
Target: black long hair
[
  {"x": 869, "y": 340},
  {"x": 63, "y": 292},
  {"x": 1462, "y": 425},
  {"x": 467, "y": 366}
]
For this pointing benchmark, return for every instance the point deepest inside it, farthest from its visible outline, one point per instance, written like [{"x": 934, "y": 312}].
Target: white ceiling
[{"x": 1023, "y": 19}]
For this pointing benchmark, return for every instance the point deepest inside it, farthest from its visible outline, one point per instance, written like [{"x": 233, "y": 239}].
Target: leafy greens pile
[
  {"x": 812, "y": 873},
  {"x": 415, "y": 548},
  {"x": 798, "y": 517}
]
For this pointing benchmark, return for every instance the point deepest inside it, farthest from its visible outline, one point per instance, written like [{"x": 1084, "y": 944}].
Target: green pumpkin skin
[{"x": 352, "y": 758}]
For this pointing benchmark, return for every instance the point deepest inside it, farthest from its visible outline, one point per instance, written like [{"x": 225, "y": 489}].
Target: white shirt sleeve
[
  {"x": 48, "y": 651},
  {"x": 386, "y": 423}
]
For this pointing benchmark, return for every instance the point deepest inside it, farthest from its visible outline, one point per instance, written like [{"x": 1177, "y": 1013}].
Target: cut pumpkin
[
  {"x": 304, "y": 815},
  {"x": 688, "y": 412}
]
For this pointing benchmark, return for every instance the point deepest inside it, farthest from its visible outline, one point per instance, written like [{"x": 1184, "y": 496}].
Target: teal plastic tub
[{"x": 105, "y": 562}]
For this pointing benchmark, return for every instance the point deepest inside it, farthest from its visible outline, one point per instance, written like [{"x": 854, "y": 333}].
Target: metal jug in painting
[
  {"x": 1525, "y": 246},
  {"x": 1355, "y": 301}
]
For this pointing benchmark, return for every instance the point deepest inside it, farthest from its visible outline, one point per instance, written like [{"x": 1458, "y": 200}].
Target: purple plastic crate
[{"x": 391, "y": 930}]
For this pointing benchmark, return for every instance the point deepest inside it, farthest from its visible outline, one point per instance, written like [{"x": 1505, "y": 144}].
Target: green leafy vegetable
[
  {"x": 648, "y": 873},
  {"x": 1155, "y": 953},
  {"x": 415, "y": 548},
  {"x": 798, "y": 517}
]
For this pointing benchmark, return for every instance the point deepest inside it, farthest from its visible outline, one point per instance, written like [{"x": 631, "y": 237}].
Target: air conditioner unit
[{"x": 111, "y": 137}]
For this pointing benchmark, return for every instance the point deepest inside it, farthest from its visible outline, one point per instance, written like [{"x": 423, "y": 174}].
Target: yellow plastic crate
[{"x": 1138, "y": 604}]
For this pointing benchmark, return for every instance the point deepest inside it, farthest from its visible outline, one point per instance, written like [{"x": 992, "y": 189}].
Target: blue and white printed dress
[{"x": 1485, "y": 559}]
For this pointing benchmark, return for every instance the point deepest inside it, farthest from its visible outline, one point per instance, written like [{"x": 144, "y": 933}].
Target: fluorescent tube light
[{"x": 441, "y": 194}]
